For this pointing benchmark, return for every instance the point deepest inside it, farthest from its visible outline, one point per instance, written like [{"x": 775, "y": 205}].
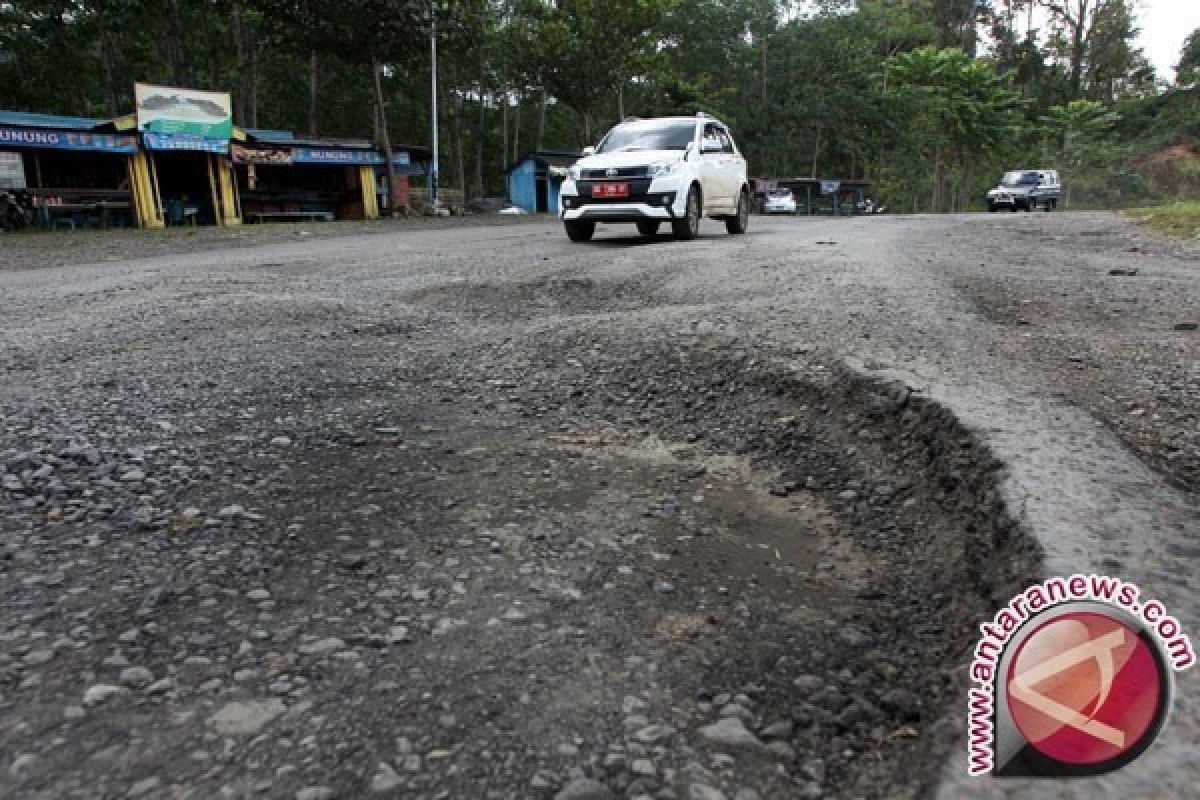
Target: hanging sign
[
  {"x": 330, "y": 155},
  {"x": 830, "y": 187},
  {"x": 67, "y": 140},
  {"x": 181, "y": 141},
  {"x": 260, "y": 154},
  {"x": 189, "y": 112}
]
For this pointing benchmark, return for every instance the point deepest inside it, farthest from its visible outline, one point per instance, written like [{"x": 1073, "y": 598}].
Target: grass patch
[{"x": 1177, "y": 219}]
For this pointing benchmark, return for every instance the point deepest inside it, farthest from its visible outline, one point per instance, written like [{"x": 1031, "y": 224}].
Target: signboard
[
  {"x": 328, "y": 155},
  {"x": 183, "y": 141},
  {"x": 67, "y": 140},
  {"x": 830, "y": 187},
  {"x": 260, "y": 154},
  {"x": 12, "y": 171},
  {"x": 193, "y": 113}
]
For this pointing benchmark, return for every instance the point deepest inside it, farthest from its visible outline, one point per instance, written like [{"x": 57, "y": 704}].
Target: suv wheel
[
  {"x": 647, "y": 228},
  {"x": 579, "y": 230},
  {"x": 991, "y": 207},
  {"x": 740, "y": 221},
  {"x": 688, "y": 227}
]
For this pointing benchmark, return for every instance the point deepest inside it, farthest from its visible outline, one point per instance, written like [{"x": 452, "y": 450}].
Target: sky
[{"x": 1165, "y": 24}]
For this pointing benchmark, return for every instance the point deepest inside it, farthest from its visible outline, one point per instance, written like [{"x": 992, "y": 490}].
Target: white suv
[{"x": 650, "y": 171}]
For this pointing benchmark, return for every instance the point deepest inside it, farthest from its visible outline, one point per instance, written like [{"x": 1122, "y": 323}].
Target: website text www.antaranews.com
[{"x": 1121, "y": 594}]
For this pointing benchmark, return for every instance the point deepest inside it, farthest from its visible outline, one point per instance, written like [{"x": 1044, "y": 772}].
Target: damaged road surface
[{"x": 478, "y": 513}]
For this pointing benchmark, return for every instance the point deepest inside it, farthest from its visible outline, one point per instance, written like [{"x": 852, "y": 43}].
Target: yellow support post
[
  {"x": 155, "y": 191},
  {"x": 218, "y": 215},
  {"x": 144, "y": 191},
  {"x": 366, "y": 181},
  {"x": 230, "y": 207}
]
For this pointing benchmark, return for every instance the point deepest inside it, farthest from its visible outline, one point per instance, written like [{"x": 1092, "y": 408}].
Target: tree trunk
[
  {"x": 935, "y": 196},
  {"x": 239, "y": 55},
  {"x": 516, "y": 141},
  {"x": 1078, "y": 47},
  {"x": 504, "y": 130},
  {"x": 621, "y": 100},
  {"x": 816, "y": 153},
  {"x": 312, "y": 93},
  {"x": 253, "y": 79},
  {"x": 106, "y": 63},
  {"x": 480, "y": 126},
  {"x": 385, "y": 142},
  {"x": 541, "y": 125},
  {"x": 460, "y": 174}
]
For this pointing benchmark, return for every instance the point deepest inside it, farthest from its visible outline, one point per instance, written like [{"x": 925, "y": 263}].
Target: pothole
[{"x": 533, "y": 563}]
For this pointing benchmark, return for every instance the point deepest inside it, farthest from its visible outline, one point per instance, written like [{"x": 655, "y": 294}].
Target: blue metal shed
[{"x": 535, "y": 178}]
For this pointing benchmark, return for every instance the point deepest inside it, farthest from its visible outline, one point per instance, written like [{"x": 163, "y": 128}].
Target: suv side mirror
[
  {"x": 711, "y": 146},
  {"x": 589, "y": 151}
]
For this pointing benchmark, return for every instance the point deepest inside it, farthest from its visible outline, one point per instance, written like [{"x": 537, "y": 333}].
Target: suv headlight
[{"x": 664, "y": 169}]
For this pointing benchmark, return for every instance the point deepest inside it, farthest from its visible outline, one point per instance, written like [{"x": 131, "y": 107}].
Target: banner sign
[
  {"x": 67, "y": 140},
  {"x": 180, "y": 141},
  {"x": 260, "y": 154},
  {"x": 12, "y": 171},
  {"x": 167, "y": 110},
  {"x": 326, "y": 155},
  {"x": 830, "y": 187}
]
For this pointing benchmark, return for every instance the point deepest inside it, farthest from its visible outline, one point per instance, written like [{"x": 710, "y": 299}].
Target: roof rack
[
  {"x": 702, "y": 114},
  {"x": 631, "y": 119}
]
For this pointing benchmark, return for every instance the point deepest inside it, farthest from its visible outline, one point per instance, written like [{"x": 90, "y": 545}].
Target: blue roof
[
  {"x": 265, "y": 135},
  {"x": 26, "y": 120}
]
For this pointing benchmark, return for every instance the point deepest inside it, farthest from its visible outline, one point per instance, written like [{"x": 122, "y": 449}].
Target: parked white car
[
  {"x": 779, "y": 201},
  {"x": 650, "y": 171}
]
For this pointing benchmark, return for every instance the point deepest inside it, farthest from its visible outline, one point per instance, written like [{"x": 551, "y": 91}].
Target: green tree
[
  {"x": 959, "y": 113},
  {"x": 1080, "y": 141},
  {"x": 1187, "y": 71}
]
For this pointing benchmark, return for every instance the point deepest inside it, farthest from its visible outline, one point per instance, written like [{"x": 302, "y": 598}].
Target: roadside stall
[
  {"x": 816, "y": 196},
  {"x": 186, "y": 135},
  {"x": 69, "y": 172},
  {"x": 282, "y": 178}
]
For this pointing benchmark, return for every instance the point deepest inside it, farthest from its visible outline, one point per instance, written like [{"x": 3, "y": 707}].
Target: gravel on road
[{"x": 470, "y": 511}]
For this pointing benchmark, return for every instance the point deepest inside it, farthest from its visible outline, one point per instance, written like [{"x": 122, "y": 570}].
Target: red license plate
[{"x": 610, "y": 190}]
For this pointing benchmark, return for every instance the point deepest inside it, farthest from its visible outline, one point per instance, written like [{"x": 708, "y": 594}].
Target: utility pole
[{"x": 433, "y": 167}]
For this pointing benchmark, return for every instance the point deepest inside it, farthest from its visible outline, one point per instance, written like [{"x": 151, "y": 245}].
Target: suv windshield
[
  {"x": 1020, "y": 179},
  {"x": 674, "y": 135}
]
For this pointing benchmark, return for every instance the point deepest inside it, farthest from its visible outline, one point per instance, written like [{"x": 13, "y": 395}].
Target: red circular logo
[{"x": 1084, "y": 688}]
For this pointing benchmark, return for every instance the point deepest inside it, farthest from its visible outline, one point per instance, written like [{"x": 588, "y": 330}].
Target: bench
[{"x": 286, "y": 216}]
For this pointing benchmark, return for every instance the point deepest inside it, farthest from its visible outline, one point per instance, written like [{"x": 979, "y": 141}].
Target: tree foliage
[{"x": 930, "y": 99}]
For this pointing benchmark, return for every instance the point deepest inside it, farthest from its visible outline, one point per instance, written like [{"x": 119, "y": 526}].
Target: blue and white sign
[
  {"x": 830, "y": 187},
  {"x": 331, "y": 155},
  {"x": 66, "y": 140},
  {"x": 184, "y": 141}
]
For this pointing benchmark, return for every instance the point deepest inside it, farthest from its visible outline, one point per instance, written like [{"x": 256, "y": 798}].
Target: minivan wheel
[
  {"x": 647, "y": 228},
  {"x": 740, "y": 221},
  {"x": 688, "y": 226},
  {"x": 579, "y": 230}
]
